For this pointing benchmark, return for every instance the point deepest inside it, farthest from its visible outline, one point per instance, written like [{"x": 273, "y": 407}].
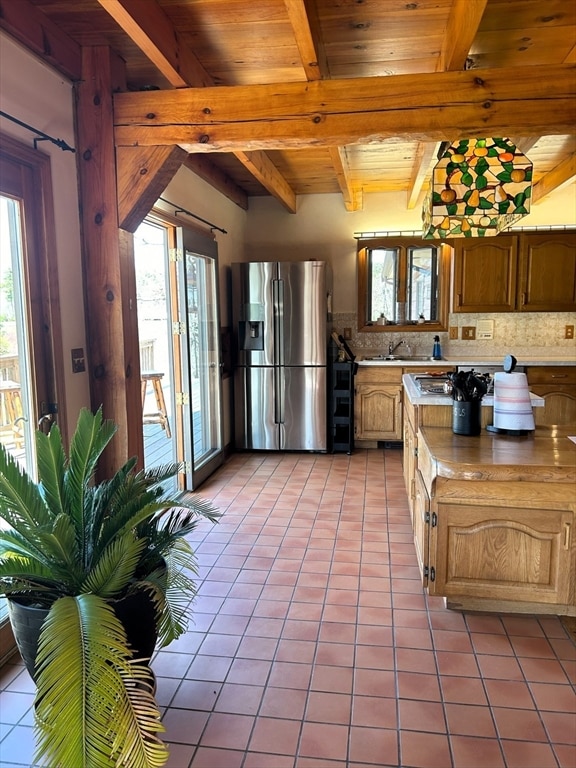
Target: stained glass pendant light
[{"x": 479, "y": 188}]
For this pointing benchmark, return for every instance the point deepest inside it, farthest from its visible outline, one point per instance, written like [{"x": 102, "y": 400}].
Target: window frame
[{"x": 403, "y": 244}]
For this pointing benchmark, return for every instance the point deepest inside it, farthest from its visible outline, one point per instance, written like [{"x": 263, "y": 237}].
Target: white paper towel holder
[{"x": 508, "y": 366}]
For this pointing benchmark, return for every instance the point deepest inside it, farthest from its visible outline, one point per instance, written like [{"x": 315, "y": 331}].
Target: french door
[
  {"x": 176, "y": 274},
  {"x": 30, "y": 339},
  {"x": 200, "y": 350}
]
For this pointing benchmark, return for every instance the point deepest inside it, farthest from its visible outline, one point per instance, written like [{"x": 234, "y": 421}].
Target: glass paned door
[
  {"x": 17, "y": 420},
  {"x": 201, "y": 351},
  {"x": 176, "y": 275},
  {"x": 30, "y": 340},
  {"x": 157, "y": 370}
]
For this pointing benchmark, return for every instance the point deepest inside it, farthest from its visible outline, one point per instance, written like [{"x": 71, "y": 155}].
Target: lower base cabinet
[
  {"x": 557, "y": 385},
  {"x": 489, "y": 542},
  {"x": 501, "y": 553}
]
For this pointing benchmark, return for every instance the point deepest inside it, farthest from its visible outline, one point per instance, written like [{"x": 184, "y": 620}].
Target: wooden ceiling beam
[
  {"x": 426, "y": 152},
  {"x": 263, "y": 169},
  {"x": 461, "y": 30},
  {"x": 521, "y": 101},
  {"x": 150, "y": 28},
  {"x": 37, "y": 32},
  {"x": 525, "y": 143},
  {"x": 202, "y": 166},
  {"x": 143, "y": 173},
  {"x": 563, "y": 173},
  {"x": 304, "y": 20},
  {"x": 340, "y": 162}
]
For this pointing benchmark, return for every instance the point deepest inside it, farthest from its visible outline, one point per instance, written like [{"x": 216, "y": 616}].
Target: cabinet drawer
[
  {"x": 552, "y": 374},
  {"x": 379, "y": 374}
]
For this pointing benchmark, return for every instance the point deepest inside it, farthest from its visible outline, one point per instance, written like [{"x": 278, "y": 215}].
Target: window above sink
[{"x": 402, "y": 278}]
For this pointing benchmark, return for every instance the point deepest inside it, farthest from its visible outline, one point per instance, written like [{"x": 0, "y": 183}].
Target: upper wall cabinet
[
  {"x": 547, "y": 275},
  {"x": 529, "y": 272},
  {"x": 485, "y": 274}
]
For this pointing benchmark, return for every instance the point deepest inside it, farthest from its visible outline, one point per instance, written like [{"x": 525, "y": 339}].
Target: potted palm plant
[{"x": 94, "y": 573}]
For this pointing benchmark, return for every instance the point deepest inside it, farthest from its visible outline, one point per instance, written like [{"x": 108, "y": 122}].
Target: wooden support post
[{"x": 108, "y": 262}]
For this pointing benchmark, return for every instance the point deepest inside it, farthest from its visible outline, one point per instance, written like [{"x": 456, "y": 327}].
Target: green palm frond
[
  {"x": 101, "y": 511},
  {"x": 51, "y": 468},
  {"x": 203, "y": 507},
  {"x": 113, "y": 572},
  {"x": 20, "y": 496},
  {"x": 24, "y": 576},
  {"x": 90, "y": 438},
  {"x": 29, "y": 544},
  {"x": 179, "y": 590},
  {"x": 92, "y": 708}
]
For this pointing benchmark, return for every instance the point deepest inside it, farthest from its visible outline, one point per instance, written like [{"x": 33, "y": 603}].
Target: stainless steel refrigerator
[{"x": 280, "y": 313}]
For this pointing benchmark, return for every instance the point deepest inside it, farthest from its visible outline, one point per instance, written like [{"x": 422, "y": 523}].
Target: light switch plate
[{"x": 469, "y": 332}]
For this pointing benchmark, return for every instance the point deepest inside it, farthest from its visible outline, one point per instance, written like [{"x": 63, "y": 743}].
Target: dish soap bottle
[{"x": 437, "y": 350}]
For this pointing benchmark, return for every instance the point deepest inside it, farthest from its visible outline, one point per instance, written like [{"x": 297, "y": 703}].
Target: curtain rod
[
  {"x": 178, "y": 209},
  {"x": 41, "y": 136}
]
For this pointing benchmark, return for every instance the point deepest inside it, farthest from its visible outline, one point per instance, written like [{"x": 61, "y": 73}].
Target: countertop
[
  {"x": 464, "y": 361},
  {"x": 417, "y": 397},
  {"x": 546, "y": 455}
]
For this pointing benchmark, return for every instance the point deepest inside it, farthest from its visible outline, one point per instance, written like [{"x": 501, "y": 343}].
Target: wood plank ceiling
[{"x": 407, "y": 70}]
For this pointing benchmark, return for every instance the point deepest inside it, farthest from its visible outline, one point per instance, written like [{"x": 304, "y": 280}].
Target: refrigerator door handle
[
  {"x": 278, "y": 298},
  {"x": 279, "y": 401}
]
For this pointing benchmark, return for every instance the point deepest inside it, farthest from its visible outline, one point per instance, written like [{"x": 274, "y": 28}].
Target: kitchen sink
[{"x": 402, "y": 358}]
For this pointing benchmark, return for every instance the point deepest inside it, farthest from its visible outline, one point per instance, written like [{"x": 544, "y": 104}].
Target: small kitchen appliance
[{"x": 512, "y": 406}]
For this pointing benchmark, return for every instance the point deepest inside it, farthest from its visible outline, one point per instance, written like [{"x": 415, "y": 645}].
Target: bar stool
[
  {"x": 160, "y": 416},
  {"x": 11, "y": 414}
]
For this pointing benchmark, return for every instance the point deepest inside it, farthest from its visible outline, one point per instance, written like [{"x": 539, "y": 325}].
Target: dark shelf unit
[{"x": 341, "y": 404}]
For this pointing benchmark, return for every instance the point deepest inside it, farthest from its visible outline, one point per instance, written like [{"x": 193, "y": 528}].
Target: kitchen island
[{"x": 493, "y": 519}]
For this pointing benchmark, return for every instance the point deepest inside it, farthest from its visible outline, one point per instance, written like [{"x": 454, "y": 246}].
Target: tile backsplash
[{"x": 537, "y": 334}]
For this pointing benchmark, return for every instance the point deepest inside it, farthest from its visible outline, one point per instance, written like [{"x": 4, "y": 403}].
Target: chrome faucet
[{"x": 393, "y": 347}]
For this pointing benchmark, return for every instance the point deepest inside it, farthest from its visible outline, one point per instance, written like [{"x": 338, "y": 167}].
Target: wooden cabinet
[
  {"x": 378, "y": 412},
  {"x": 529, "y": 272},
  {"x": 501, "y": 551},
  {"x": 410, "y": 451},
  {"x": 547, "y": 272},
  {"x": 485, "y": 274},
  {"x": 378, "y": 404},
  {"x": 557, "y": 385},
  {"x": 421, "y": 527},
  {"x": 494, "y": 521}
]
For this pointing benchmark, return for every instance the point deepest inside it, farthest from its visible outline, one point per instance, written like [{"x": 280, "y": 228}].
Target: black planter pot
[
  {"x": 136, "y": 612},
  {"x": 26, "y": 621}
]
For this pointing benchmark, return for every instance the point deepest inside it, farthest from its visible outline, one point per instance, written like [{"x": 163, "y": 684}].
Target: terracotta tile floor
[{"x": 313, "y": 645}]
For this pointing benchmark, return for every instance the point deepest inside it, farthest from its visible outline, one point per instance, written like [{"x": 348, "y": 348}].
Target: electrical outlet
[
  {"x": 469, "y": 332},
  {"x": 78, "y": 361},
  {"x": 453, "y": 331},
  {"x": 568, "y": 331},
  {"x": 347, "y": 334}
]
